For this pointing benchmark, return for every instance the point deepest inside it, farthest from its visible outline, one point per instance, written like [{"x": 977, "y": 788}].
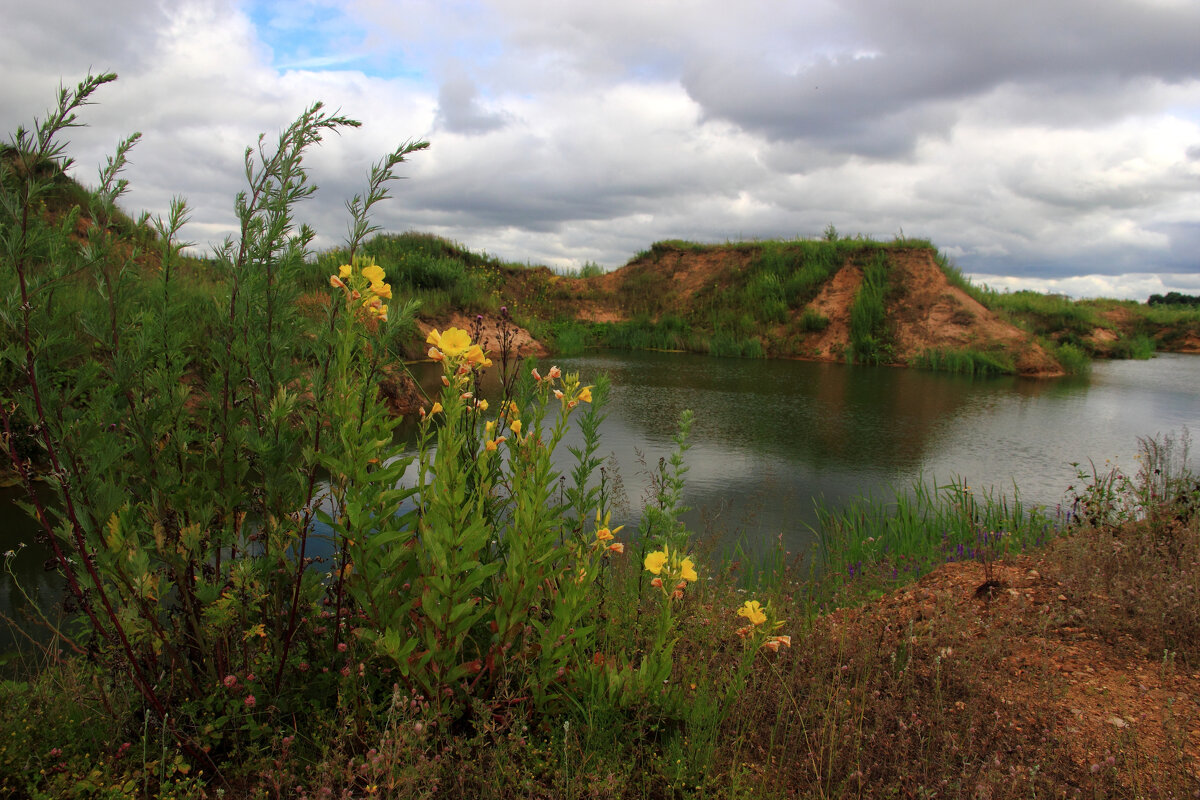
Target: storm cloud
[{"x": 1045, "y": 144}]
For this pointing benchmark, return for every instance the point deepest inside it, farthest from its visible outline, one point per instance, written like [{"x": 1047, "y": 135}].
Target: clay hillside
[
  {"x": 851, "y": 300},
  {"x": 837, "y": 301}
]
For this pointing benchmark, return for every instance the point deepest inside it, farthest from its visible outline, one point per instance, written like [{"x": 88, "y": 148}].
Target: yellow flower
[
  {"x": 516, "y": 426},
  {"x": 344, "y": 270},
  {"x": 434, "y": 338},
  {"x": 336, "y": 282},
  {"x": 476, "y": 356},
  {"x": 603, "y": 535},
  {"x": 436, "y": 408},
  {"x": 482, "y": 405},
  {"x": 454, "y": 342},
  {"x": 383, "y": 290},
  {"x": 585, "y": 394},
  {"x": 490, "y": 444},
  {"x": 489, "y": 427},
  {"x": 656, "y": 561},
  {"x": 752, "y": 610},
  {"x": 374, "y": 273},
  {"x": 436, "y": 355},
  {"x": 617, "y": 547},
  {"x": 687, "y": 571}
]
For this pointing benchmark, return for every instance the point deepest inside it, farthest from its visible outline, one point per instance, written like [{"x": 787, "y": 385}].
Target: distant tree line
[{"x": 1173, "y": 299}]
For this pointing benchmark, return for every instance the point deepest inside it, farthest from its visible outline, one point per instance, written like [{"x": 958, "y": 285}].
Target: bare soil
[{"x": 1118, "y": 708}]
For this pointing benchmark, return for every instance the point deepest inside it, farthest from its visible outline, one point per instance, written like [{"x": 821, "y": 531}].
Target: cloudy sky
[{"x": 1049, "y": 144}]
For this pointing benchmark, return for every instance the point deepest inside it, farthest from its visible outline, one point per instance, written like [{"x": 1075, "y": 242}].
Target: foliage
[
  {"x": 197, "y": 477},
  {"x": 869, "y": 337},
  {"x": 1173, "y": 299},
  {"x": 966, "y": 362}
]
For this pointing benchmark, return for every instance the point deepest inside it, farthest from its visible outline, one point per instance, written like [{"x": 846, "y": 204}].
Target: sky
[{"x": 1043, "y": 144}]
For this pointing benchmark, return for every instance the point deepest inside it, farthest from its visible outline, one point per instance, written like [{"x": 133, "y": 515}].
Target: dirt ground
[{"x": 1107, "y": 698}]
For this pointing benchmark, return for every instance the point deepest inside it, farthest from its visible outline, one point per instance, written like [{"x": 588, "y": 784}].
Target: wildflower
[
  {"x": 250, "y": 701},
  {"x": 374, "y": 273},
  {"x": 482, "y": 405},
  {"x": 585, "y": 394},
  {"x": 489, "y": 427},
  {"x": 492, "y": 444},
  {"x": 536, "y": 375},
  {"x": 336, "y": 282},
  {"x": 383, "y": 290},
  {"x": 655, "y": 562},
  {"x": 555, "y": 372},
  {"x": 603, "y": 535},
  {"x": 344, "y": 270},
  {"x": 466, "y": 395},
  {"x": 677, "y": 594},
  {"x": 436, "y": 408},
  {"x": 476, "y": 356},
  {"x": 687, "y": 570},
  {"x": 454, "y": 342},
  {"x": 752, "y": 610},
  {"x": 436, "y": 355},
  {"x": 230, "y": 681},
  {"x": 516, "y": 426},
  {"x": 773, "y": 643},
  {"x": 558, "y": 394},
  {"x": 616, "y": 547},
  {"x": 656, "y": 583}
]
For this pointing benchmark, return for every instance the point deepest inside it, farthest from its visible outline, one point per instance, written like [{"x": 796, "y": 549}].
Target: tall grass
[
  {"x": 868, "y": 317},
  {"x": 963, "y": 362},
  {"x": 928, "y": 525}
]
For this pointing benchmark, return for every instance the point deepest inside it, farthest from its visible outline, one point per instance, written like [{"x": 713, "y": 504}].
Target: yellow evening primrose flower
[
  {"x": 374, "y": 273},
  {"x": 489, "y": 445},
  {"x": 475, "y": 355},
  {"x": 585, "y": 394},
  {"x": 516, "y": 426},
  {"x": 336, "y": 282},
  {"x": 436, "y": 408},
  {"x": 482, "y": 405},
  {"x": 383, "y": 290},
  {"x": 687, "y": 571},
  {"x": 656, "y": 561},
  {"x": 752, "y": 610},
  {"x": 454, "y": 342},
  {"x": 603, "y": 535},
  {"x": 434, "y": 338},
  {"x": 344, "y": 271}
]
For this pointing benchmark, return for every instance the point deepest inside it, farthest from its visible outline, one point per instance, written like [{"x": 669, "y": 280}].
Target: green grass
[
  {"x": 869, "y": 339},
  {"x": 903, "y": 538},
  {"x": 963, "y": 362}
]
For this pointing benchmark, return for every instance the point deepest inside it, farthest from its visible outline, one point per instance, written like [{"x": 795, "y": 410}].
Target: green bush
[{"x": 190, "y": 471}]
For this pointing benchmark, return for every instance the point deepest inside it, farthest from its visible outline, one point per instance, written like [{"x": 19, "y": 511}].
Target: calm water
[{"x": 770, "y": 436}]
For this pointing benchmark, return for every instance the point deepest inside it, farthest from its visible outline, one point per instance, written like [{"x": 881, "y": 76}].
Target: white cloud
[{"x": 1044, "y": 141}]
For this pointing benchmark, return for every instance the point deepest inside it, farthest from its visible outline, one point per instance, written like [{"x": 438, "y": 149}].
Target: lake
[{"x": 770, "y": 437}]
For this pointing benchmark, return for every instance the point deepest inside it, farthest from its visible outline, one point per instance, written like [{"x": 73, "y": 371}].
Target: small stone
[
  {"x": 1062, "y": 597},
  {"x": 1117, "y": 722}
]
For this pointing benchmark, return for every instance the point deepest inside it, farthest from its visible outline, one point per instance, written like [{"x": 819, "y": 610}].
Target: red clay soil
[
  {"x": 1106, "y": 697},
  {"x": 928, "y": 312},
  {"x": 925, "y": 312}
]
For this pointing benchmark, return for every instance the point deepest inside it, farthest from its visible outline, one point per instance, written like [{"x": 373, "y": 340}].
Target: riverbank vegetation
[{"x": 267, "y": 598}]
